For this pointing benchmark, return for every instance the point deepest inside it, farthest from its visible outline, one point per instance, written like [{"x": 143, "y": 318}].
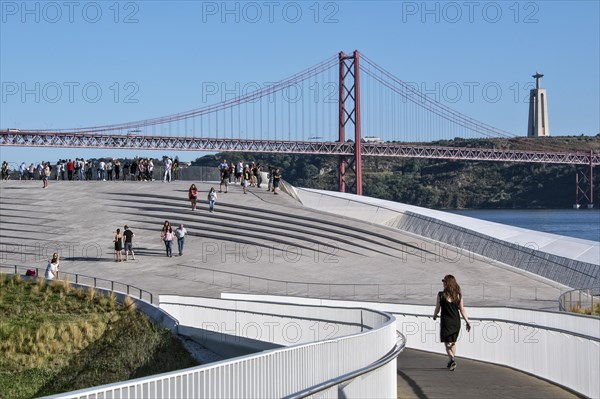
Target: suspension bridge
[{"x": 329, "y": 108}]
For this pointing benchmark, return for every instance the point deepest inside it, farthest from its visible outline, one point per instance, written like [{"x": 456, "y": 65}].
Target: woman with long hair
[
  {"x": 193, "y": 196},
  {"x": 167, "y": 237},
  {"x": 450, "y": 301},
  {"x": 118, "y": 245},
  {"x": 52, "y": 268}
]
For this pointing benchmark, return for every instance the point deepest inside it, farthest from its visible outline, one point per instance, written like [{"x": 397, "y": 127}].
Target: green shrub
[{"x": 54, "y": 339}]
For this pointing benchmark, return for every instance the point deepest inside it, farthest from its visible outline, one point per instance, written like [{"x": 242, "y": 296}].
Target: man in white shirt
[
  {"x": 22, "y": 170},
  {"x": 180, "y": 233},
  {"x": 168, "y": 165},
  {"x": 101, "y": 166}
]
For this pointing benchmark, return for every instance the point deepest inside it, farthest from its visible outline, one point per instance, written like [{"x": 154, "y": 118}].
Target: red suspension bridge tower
[{"x": 349, "y": 112}]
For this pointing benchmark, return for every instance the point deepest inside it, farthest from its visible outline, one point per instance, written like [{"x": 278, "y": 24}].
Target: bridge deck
[{"x": 257, "y": 242}]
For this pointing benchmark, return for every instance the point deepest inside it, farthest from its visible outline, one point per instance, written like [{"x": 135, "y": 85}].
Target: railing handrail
[
  {"x": 521, "y": 323},
  {"x": 389, "y": 320},
  {"x": 591, "y": 292},
  {"x": 349, "y": 284},
  {"x": 375, "y": 295},
  {"x": 391, "y": 355},
  {"x": 16, "y": 268}
]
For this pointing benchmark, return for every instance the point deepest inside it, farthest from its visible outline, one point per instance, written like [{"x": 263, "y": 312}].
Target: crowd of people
[
  {"x": 105, "y": 169},
  {"x": 247, "y": 176}
]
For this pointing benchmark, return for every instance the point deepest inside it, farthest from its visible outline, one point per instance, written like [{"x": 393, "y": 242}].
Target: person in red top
[
  {"x": 70, "y": 169},
  {"x": 193, "y": 196}
]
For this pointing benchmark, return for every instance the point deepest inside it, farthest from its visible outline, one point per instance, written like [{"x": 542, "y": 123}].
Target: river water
[{"x": 578, "y": 223}]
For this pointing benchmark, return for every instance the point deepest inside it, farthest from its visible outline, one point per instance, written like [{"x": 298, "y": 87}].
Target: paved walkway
[
  {"x": 424, "y": 375},
  {"x": 262, "y": 243}
]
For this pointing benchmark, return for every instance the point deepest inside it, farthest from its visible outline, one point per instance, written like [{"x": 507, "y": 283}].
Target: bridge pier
[
  {"x": 349, "y": 66},
  {"x": 584, "y": 186}
]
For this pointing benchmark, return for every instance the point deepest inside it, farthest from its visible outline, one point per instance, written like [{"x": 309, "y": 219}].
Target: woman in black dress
[
  {"x": 118, "y": 245},
  {"x": 450, "y": 301}
]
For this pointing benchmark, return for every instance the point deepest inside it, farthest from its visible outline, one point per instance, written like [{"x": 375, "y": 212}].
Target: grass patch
[
  {"x": 54, "y": 339},
  {"x": 593, "y": 311}
]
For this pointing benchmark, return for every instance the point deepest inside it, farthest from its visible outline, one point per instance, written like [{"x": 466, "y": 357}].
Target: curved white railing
[
  {"x": 579, "y": 301},
  {"x": 320, "y": 349},
  {"x": 560, "y": 347}
]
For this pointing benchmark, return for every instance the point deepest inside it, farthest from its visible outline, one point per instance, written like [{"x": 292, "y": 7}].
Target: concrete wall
[
  {"x": 569, "y": 272},
  {"x": 572, "y": 262}
]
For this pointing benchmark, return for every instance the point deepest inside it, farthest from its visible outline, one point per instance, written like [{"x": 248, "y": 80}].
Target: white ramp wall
[
  {"x": 353, "y": 356},
  {"x": 560, "y": 347}
]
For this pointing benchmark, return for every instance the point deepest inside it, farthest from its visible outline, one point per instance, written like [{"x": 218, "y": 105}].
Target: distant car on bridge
[{"x": 372, "y": 139}]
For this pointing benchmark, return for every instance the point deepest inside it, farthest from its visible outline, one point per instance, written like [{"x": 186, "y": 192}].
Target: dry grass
[
  {"x": 593, "y": 311},
  {"x": 129, "y": 304},
  {"x": 55, "y": 338},
  {"x": 91, "y": 294}
]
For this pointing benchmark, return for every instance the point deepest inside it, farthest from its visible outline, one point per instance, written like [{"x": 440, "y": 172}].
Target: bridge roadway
[{"x": 264, "y": 243}]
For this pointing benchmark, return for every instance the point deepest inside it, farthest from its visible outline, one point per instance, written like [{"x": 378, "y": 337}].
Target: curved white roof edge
[{"x": 567, "y": 247}]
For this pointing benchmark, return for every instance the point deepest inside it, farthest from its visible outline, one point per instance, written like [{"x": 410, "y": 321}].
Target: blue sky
[{"x": 67, "y": 65}]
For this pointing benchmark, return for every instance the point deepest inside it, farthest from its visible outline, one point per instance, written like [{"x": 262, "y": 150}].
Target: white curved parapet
[
  {"x": 560, "y": 347},
  {"x": 317, "y": 350}
]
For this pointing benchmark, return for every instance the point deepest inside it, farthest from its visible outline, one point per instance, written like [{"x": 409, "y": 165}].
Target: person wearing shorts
[{"x": 128, "y": 235}]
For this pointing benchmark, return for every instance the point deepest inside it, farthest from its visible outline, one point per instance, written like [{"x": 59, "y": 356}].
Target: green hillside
[{"x": 444, "y": 184}]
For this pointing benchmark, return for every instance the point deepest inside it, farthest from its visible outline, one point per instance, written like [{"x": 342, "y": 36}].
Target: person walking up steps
[
  {"x": 212, "y": 198},
  {"x": 451, "y": 303},
  {"x": 193, "y": 196}
]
